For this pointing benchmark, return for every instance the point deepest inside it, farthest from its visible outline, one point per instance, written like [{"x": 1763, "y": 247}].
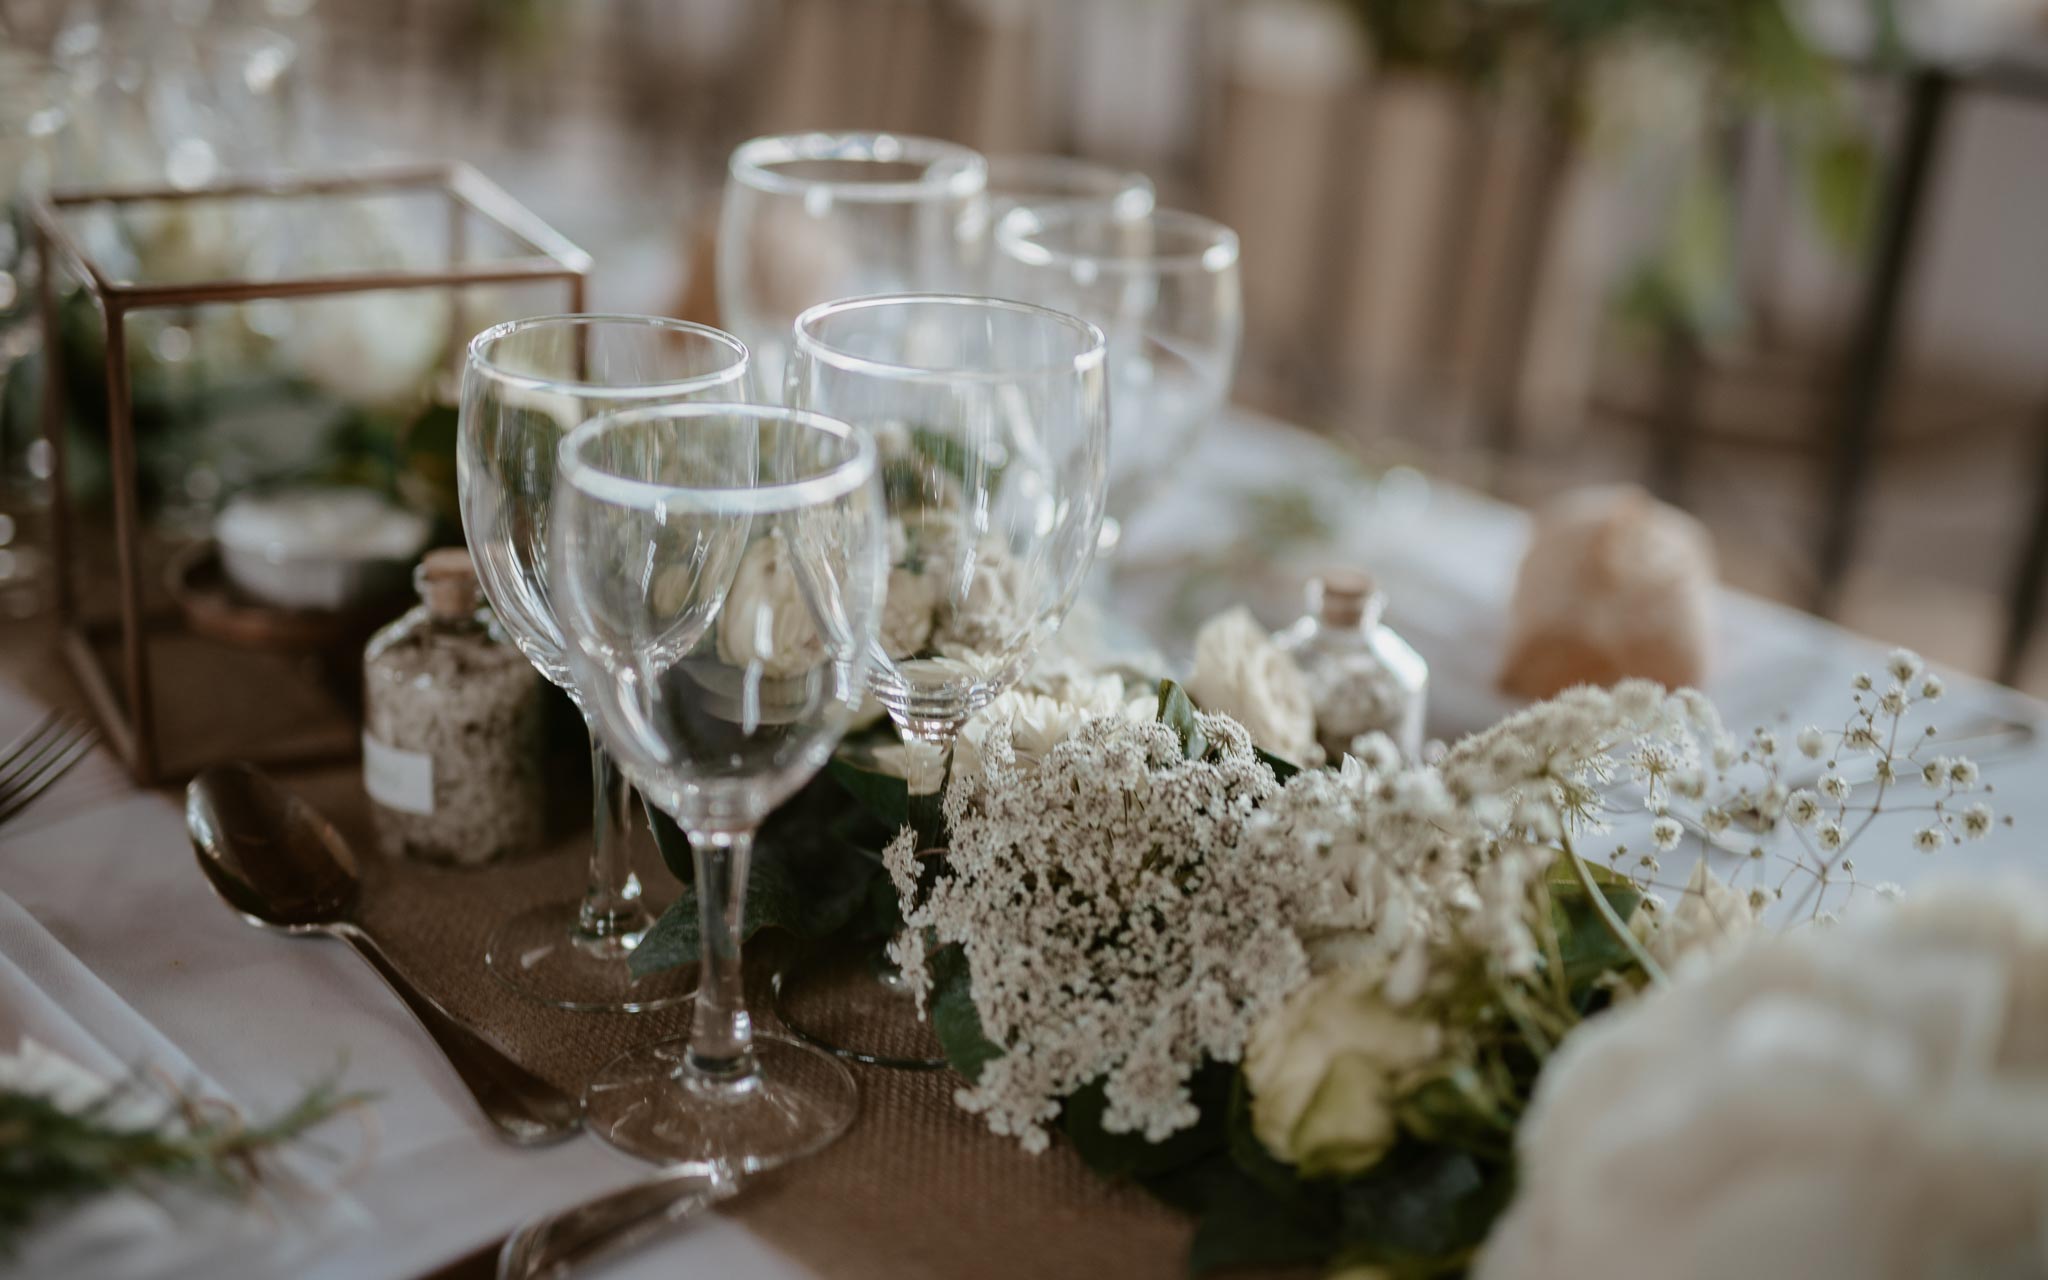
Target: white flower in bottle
[
  {"x": 1241, "y": 673},
  {"x": 764, "y": 619}
]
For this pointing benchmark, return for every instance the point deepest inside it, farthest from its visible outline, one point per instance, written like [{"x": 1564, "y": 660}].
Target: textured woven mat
[{"x": 917, "y": 1188}]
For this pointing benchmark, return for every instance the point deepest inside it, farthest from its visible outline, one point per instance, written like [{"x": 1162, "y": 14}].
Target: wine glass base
[
  {"x": 850, "y": 1002},
  {"x": 542, "y": 955},
  {"x": 648, "y": 1102}
]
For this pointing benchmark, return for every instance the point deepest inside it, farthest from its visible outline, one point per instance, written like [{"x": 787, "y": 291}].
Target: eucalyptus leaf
[
  {"x": 884, "y": 795},
  {"x": 1130, "y": 1155},
  {"x": 1177, "y": 712},
  {"x": 1244, "y": 1224},
  {"x": 1423, "y": 1210}
]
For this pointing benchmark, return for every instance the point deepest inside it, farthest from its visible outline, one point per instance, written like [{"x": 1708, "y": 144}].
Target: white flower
[
  {"x": 1835, "y": 787},
  {"x": 1665, "y": 833},
  {"x": 1928, "y": 839},
  {"x": 1887, "y": 891},
  {"x": 1861, "y": 737},
  {"x": 1977, "y": 821},
  {"x": 1886, "y": 769},
  {"x": 1864, "y": 1100},
  {"x": 921, "y": 764},
  {"x": 1115, "y": 835},
  {"x": 1037, "y": 722},
  {"x": 1828, "y": 836},
  {"x": 1931, "y": 688},
  {"x": 1935, "y": 772},
  {"x": 1325, "y": 1068},
  {"x": 1377, "y": 752},
  {"x": 1766, "y": 743},
  {"x": 1812, "y": 742},
  {"x": 1903, "y": 664},
  {"x": 1714, "y": 820},
  {"x": 1861, "y": 683},
  {"x": 1803, "y": 808},
  {"x": 1239, "y": 672},
  {"x": 1894, "y": 701},
  {"x": 1963, "y": 773},
  {"x": 368, "y": 348},
  {"x": 1710, "y": 918},
  {"x": 764, "y": 620}
]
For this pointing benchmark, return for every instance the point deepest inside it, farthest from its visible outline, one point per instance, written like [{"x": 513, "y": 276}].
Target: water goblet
[
  {"x": 991, "y": 419},
  {"x": 718, "y": 574},
  {"x": 813, "y": 216},
  {"x": 525, "y": 386}
]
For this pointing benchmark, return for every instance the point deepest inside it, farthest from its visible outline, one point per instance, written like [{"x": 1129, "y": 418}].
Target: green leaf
[
  {"x": 954, "y": 1019},
  {"x": 1585, "y": 944},
  {"x": 804, "y": 879},
  {"x": 1422, "y": 1210},
  {"x": 1282, "y": 769},
  {"x": 1248, "y": 1153},
  {"x": 884, "y": 795},
  {"x": 1245, "y": 1224},
  {"x": 1177, "y": 712},
  {"x": 1130, "y": 1155}
]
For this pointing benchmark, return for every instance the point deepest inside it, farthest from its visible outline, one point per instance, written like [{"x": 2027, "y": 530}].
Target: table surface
[{"x": 112, "y": 948}]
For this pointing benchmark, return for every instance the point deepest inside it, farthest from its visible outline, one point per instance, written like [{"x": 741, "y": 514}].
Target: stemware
[
  {"x": 526, "y": 385},
  {"x": 1164, "y": 287},
  {"x": 718, "y": 571},
  {"x": 1053, "y": 181},
  {"x": 814, "y": 216},
  {"x": 992, "y": 422}
]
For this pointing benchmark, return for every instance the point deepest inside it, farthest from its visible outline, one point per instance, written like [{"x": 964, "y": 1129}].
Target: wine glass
[
  {"x": 992, "y": 422},
  {"x": 1052, "y": 181},
  {"x": 813, "y": 216},
  {"x": 526, "y": 385},
  {"x": 1164, "y": 287},
  {"x": 718, "y": 572}
]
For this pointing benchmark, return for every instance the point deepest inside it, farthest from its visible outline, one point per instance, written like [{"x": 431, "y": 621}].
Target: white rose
[
  {"x": 1038, "y": 722},
  {"x": 765, "y": 619},
  {"x": 1325, "y": 1068},
  {"x": 1869, "y": 1100},
  {"x": 368, "y": 348},
  {"x": 1239, "y": 672},
  {"x": 1710, "y": 919}
]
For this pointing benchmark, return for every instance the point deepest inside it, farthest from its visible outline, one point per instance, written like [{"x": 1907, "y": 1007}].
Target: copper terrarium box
[{"x": 247, "y": 390}]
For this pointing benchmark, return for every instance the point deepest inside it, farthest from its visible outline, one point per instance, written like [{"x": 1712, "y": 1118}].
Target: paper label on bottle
[{"x": 401, "y": 780}]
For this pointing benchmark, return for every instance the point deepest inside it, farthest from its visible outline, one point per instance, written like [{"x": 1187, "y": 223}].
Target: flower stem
[{"x": 1616, "y": 926}]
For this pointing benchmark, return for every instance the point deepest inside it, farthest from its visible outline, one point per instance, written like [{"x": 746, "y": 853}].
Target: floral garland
[{"x": 1335, "y": 1011}]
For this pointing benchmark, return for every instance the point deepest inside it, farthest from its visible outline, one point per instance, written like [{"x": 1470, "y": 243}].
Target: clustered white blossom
[{"x": 1115, "y": 924}]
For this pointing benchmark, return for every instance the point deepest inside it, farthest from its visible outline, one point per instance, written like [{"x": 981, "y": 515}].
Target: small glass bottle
[
  {"x": 451, "y": 727},
  {"x": 1362, "y": 676}
]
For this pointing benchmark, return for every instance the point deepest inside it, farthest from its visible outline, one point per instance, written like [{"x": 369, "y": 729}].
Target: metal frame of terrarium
[{"x": 131, "y": 726}]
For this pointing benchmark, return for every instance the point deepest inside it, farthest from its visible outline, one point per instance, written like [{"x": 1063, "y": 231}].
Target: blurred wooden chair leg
[
  {"x": 2024, "y": 611},
  {"x": 1859, "y": 407}
]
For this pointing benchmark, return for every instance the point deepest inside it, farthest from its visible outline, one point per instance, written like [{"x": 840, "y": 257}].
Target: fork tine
[
  {"x": 76, "y": 747},
  {"x": 22, "y": 752}
]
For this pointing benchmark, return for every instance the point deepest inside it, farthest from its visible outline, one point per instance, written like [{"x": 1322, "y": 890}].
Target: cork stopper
[
  {"x": 446, "y": 580},
  {"x": 1340, "y": 598}
]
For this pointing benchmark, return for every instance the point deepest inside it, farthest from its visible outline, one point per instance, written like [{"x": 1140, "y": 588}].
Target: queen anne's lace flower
[{"x": 1115, "y": 925}]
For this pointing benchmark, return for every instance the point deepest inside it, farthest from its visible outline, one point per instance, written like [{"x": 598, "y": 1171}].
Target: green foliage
[
  {"x": 810, "y": 876},
  {"x": 1177, "y": 712},
  {"x": 52, "y": 1159},
  {"x": 955, "y": 1021},
  {"x": 883, "y": 795}
]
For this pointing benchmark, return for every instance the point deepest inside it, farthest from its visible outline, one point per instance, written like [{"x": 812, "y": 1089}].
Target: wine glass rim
[
  {"x": 950, "y": 168},
  {"x": 479, "y": 357},
  {"x": 1049, "y": 167},
  {"x": 1091, "y": 352},
  {"x": 1018, "y": 235},
  {"x": 835, "y": 481}
]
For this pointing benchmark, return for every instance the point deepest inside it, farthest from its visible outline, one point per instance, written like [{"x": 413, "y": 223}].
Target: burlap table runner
[{"x": 917, "y": 1189}]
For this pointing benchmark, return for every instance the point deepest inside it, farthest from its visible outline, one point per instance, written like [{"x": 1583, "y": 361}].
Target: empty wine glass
[
  {"x": 814, "y": 216},
  {"x": 1051, "y": 181},
  {"x": 526, "y": 385},
  {"x": 718, "y": 571},
  {"x": 992, "y": 422},
  {"x": 1164, "y": 288}
]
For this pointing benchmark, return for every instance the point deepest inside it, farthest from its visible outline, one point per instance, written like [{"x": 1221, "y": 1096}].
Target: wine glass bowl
[
  {"x": 719, "y": 571},
  {"x": 991, "y": 418},
  {"x": 1055, "y": 181},
  {"x": 1164, "y": 287},
  {"x": 814, "y": 216},
  {"x": 525, "y": 386}
]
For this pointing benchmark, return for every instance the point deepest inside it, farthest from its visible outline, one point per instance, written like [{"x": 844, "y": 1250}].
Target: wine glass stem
[
  {"x": 925, "y": 803},
  {"x": 611, "y": 905},
  {"x": 721, "y": 1033}
]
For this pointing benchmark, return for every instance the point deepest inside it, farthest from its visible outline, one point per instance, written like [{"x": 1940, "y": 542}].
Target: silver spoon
[{"x": 279, "y": 864}]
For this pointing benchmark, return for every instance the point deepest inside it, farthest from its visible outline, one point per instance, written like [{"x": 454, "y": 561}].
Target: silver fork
[{"x": 33, "y": 762}]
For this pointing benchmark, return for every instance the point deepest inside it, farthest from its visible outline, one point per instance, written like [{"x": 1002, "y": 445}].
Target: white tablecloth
[{"x": 113, "y": 949}]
